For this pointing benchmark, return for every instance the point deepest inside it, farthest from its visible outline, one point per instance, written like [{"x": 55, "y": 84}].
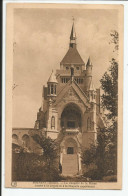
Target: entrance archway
[{"x": 71, "y": 117}]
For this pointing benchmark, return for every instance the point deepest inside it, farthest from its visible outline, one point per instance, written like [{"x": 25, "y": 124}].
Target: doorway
[{"x": 70, "y": 150}]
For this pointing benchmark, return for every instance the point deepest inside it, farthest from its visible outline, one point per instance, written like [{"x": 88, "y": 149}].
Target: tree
[
  {"x": 50, "y": 156},
  {"x": 104, "y": 153},
  {"x": 50, "y": 149},
  {"x": 109, "y": 84},
  {"x": 34, "y": 167},
  {"x": 96, "y": 156}
]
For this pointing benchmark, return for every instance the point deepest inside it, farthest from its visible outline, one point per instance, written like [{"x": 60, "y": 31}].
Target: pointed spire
[
  {"x": 89, "y": 62},
  {"x": 52, "y": 78},
  {"x": 73, "y": 36}
]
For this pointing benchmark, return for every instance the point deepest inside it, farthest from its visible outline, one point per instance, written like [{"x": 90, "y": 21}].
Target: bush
[
  {"x": 94, "y": 174},
  {"x": 31, "y": 167},
  {"x": 112, "y": 178}
]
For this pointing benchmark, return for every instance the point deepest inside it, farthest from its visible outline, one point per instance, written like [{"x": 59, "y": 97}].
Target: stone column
[
  {"x": 79, "y": 162},
  {"x": 61, "y": 158}
]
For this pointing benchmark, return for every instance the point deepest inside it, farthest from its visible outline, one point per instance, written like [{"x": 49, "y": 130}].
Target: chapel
[{"x": 71, "y": 110}]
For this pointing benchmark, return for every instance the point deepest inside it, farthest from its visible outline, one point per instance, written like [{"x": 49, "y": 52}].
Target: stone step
[{"x": 70, "y": 165}]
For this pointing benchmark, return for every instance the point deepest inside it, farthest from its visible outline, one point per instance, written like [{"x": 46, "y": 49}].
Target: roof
[
  {"x": 52, "y": 78},
  {"x": 72, "y": 57},
  {"x": 89, "y": 61},
  {"x": 73, "y": 34},
  {"x": 78, "y": 91},
  {"x": 91, "y": 86}
]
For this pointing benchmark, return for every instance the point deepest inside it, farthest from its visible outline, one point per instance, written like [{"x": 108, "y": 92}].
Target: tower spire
[{"x": 73, "y": 36}]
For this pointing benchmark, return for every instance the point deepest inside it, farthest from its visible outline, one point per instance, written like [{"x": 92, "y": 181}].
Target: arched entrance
[
  {"x": 71, "y": 124},
  {"x": 71, "y": 117}
]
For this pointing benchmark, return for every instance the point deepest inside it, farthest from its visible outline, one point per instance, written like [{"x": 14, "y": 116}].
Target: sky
[{"x": 41, "y": 40}]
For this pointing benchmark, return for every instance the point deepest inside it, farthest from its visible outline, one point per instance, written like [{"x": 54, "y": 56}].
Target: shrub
[
  {"x": 94, "y": 174},
  {"x": 31, "y": 167}
]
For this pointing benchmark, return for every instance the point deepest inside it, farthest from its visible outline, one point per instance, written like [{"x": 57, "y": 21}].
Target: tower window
[{"x": 52, "y": 89}]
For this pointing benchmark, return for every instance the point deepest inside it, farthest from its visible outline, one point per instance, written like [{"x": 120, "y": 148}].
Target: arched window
[
  {"x": 14, "y": 138},
  {"x": 88, "y": 123},
  {"x": 53, "y": 122},
  {"x": 26, "y": 140}
]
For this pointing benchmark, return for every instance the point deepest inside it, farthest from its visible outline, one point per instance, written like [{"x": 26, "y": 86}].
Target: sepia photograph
[{"x": 64, "y": 88}]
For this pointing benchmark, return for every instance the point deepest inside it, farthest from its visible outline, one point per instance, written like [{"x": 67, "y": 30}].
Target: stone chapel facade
[{"x": 71, "y": 111}]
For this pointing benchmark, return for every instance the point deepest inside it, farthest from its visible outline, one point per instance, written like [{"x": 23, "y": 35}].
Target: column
[
  {"x": 61, "y": 158},
  {"x": 79, "y": 162}
]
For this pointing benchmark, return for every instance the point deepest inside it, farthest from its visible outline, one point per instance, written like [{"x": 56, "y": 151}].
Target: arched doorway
[{"x": 71, "y": 117}]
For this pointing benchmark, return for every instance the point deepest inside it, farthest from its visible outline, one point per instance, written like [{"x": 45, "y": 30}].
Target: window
[
  {"x": 71, "y": 124},
  {"x": 79, "y": 80},
  {"x": 25, "y": 140},
  {"x": 53, "y": 122},
  {"x": 70, "y": 150},
  {"x": 15, "y": 137},
  {"x": 51, "y": 88},
  {"x": 88, "y": 123},
  {"x": 65, "y": 80},
  {"x": 77, "y": 68}
]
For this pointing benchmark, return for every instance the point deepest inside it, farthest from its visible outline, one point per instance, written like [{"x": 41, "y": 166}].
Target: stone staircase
[{"x": 70, "y": 165}]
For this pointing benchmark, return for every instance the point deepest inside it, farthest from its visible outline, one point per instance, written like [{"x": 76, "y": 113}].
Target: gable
[{"x": 72, "y": 93}]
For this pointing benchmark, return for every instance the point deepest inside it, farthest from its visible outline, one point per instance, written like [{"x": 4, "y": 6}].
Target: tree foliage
[
  {"x": 96, "y": 155},
  {"x": 50, "y": 149},
  {"x": 104, "y": 153},
  {"x": 33, "y": 167},
  {"x": 109, "y": 84}
]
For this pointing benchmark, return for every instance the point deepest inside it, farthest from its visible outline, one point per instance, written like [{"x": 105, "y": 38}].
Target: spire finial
[{"x": 73, "y": 35}]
